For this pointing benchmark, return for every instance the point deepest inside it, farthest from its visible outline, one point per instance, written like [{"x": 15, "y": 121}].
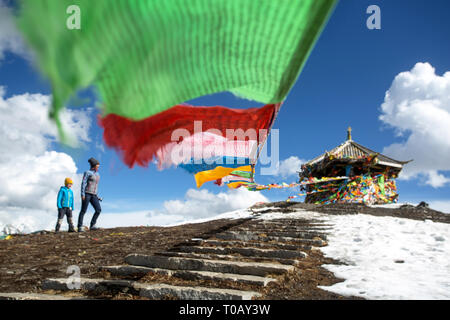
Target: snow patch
[{"x": 389, "y": 258}]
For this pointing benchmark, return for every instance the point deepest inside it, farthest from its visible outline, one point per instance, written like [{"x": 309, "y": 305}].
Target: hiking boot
[
  {"x": 71, "y": 229},
  {"x": 80, "y": 229},
  {"x": 93, "y": 228}
]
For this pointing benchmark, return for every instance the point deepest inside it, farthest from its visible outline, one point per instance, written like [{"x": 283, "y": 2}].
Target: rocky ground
[{"x": 27, "y": 261}]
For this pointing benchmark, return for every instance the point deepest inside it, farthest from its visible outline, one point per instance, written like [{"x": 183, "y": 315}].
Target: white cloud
[
  {"x": 417, "y": 105},
  {"x": 290, "y": 167},
  {"x": 31, "y": 181},
  {"x": 10, "y": 38},
  {"x": 436, "y": 179},
  {"x": 30, "y": 172},
  {"x": 17, "y": 220},
  {"x": 26, "y": 128},
  {"x": 440, "y": 205},
  {"x": 100, "y": 146},
  {"x": 199, "y": 204}
]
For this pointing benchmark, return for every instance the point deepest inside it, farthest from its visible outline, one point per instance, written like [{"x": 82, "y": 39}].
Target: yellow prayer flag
[{"x": 216, "y": 173}]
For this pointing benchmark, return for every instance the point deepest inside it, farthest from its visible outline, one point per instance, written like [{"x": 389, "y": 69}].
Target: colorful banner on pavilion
[
  {"x": 257, "y": 187},
  {"x": 367, "y": 189}
]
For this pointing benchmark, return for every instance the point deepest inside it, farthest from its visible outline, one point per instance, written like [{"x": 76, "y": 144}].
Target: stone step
[
  {"x": 238, "y": 267},
  {"x": 249, "y": 236},
  {"x": 291, "y": 223},
  {"x": 299, "y": 234},
  {"x": 306, "y": 234},
  {"x": 247, "y": 252},
  {"x": 213, "y": 256},
  {"x": 189, "y": 274},
  {"x": 294, "y": 226},
  {"x": 271, "y": 229},
  {"x": 231, "y": 243},
  {"x": 37, "y": 296},
  {"x": 85, "y": 284},
  {"x": 296, "y": 222},
  {"x": 159, "y": 290}
]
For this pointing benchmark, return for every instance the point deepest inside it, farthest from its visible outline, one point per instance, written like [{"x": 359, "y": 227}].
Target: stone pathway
[{"x": 251, "y": 254}]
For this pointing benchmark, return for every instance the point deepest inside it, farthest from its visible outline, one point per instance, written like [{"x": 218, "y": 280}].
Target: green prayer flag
[
  {"x": 145, "y": 56},
  {"x": 243, "y": 174}
]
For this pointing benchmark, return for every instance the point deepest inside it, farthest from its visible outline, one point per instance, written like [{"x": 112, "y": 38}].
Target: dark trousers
[
  {"x": 64, "y": 212},
  {"x": 61, "y": 213},
  {"x": 93, "y": 200}
]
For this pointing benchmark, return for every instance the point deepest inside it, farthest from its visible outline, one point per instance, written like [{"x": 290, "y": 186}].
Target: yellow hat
[{"x": 67, "y": 181}]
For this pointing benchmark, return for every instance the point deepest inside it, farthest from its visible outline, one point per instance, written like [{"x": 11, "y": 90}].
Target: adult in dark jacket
[{"x": 89, "y": 190}]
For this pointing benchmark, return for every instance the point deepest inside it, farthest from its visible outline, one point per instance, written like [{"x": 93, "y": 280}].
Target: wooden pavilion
[{"x": 366, "y": 176}]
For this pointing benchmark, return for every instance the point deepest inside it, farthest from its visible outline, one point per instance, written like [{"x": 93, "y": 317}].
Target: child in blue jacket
[{"x": 65, "y": 205}]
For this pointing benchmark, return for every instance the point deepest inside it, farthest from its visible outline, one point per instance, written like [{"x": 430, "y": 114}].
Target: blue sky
[{"x": 343, "y": 84}]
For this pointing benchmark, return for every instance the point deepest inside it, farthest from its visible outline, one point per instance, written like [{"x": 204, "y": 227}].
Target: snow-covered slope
[{"x": 389, "y": 258}]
